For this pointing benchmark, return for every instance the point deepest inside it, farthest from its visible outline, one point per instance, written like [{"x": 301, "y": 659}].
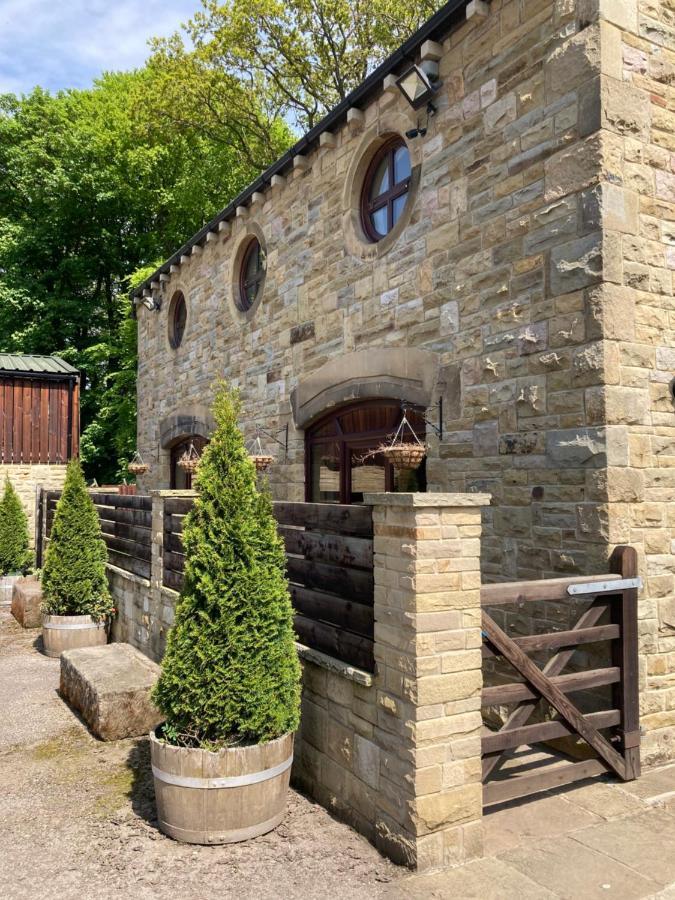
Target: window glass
[
  {"x": 325, "y": 473},
  {"x": 252, "y": 275},
  {"x": 342, "y": 469},
  {"x": 379, "y": 220},
  {"x": 401, "y": 164},
  {"x": 177, "y": 320},
  {"x": 380, "y": 180},
  {"x": 386, "y": 188},
  {"x": 398, "y": 207}
]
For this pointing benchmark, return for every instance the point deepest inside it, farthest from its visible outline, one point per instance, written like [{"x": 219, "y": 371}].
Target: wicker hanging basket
[
  {"x": 405, "y": 456},
  {"x": 262, "y": 461},
  {"x": 137, "y": 465},
  {"x": 189, "y": 461}
]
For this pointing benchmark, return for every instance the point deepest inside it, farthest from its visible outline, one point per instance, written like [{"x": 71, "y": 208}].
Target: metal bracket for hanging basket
[
  {"x": 436, "y": 427},
  {"x": 189, "y": 461},
  {"x": 137, "y": 465}
]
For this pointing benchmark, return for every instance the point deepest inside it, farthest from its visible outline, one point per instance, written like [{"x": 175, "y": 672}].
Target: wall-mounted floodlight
[
  {"x": 418, "y": 88},
  {"x": 154, "y": 304}
]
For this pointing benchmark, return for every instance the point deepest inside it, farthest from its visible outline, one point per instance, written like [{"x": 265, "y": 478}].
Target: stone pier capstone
[
  {"x": 27, "y": 603},
  {"x": 110, "y": 687}
]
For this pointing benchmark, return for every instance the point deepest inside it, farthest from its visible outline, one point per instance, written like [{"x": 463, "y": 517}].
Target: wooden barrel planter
[
  {"x": 61, "y": 633},
  {"x": 224, "y": 797}
]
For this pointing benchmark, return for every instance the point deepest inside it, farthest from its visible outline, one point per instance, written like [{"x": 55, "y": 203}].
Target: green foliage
[
  {"x": 92, "y": 189},
  {"x": 97, "y": 184},
  {"x": 298, "y": 57},
  {"x": 15, "y": 555},
  {"x": 231, "y": 671},
  {"x": 74, "y": 581}
]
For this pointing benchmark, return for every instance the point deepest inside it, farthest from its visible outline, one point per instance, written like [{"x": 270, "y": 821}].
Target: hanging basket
[
  {"x": 189, "y": 461},
  {"x": 405, "y": 456},
  {"x": 137, "y": 465},
  {"x": 262, "y": 461}
]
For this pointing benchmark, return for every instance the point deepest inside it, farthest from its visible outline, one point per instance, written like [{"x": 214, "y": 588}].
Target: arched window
[
  {"x": 339, "y": 465},
  {"x": 177, "y": 319},
  {"x": 251, "y": 275},
  {"x": 386, "y": 188}
]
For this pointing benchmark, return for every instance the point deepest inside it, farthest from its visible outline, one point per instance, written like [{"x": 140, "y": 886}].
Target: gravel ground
[{"x": 78, "y": 818}]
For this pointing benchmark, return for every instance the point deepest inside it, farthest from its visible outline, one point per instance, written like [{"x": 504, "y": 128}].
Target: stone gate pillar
[{"x": 429, "y": 676}]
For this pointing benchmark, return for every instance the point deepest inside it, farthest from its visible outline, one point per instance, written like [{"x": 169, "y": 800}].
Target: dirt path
[{"x": 77, "y": 815}]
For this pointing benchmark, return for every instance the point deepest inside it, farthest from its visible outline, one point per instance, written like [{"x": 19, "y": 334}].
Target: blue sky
[{"x": 67, "y": 43}]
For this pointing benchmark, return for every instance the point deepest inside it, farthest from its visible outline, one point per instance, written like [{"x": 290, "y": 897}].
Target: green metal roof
[{"x": 19, "y": 364}]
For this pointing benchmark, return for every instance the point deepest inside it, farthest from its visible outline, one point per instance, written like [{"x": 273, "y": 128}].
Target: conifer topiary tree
[
  {"x": 15, "y": 555},
  {"x": 74, "y": 581},
  {"x": 231, "y": 672}
]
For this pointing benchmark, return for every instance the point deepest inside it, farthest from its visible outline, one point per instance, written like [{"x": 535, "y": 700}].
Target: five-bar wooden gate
[{"x": 611, "y": 733}]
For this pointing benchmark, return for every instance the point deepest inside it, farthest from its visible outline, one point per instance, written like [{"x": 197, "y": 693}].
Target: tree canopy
[{"x": 100, "y": 184}]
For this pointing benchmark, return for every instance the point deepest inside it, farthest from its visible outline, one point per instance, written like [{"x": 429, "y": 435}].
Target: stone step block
[
  {"x": 27, "y": 603},
  {"x": 110, "y": 687}
]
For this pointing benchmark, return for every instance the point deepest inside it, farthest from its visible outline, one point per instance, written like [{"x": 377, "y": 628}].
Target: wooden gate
[{"x": 611, "y": 734}]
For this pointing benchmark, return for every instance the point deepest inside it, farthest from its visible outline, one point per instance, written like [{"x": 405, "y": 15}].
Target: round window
[
  {"x": 251, "y": 275},
  {"x": 386, "y": 188},
  {"x": 177, "y": 319}
]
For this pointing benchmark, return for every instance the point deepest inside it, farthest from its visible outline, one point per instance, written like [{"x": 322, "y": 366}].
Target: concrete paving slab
[
  {"x": 485, "y": 879},
  {"x": 652, "y": 784},
  {"x": 570, "y": 869},
  {"x": 516, "y": 825},
  {"x": 609, "y": 801},
  {"x": 645, "y": 842}
]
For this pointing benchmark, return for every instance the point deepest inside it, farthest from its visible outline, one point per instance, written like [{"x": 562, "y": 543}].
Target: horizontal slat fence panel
[
  {"x": 126, "y": 527},
  {"x": 330, "y": 568}
]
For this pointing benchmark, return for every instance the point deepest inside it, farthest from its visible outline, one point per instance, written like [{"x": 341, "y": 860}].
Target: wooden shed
[{"x": 39, "y": 410}]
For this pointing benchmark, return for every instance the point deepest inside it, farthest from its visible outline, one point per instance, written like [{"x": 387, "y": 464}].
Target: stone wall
[
  {"x": 491, "y": 275},
  {"x": 635, "y": 317},
  {"x": 27, "y": 480},
  {"x": 534, "y": 267}
]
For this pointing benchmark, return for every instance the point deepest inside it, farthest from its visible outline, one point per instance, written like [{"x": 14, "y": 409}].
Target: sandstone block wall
[
  {"x": 535, "y": 264},
  {"x": 492, "y": 274},
  {"x": 27, "y": 480},
  {"x": 635, "y": 312}
]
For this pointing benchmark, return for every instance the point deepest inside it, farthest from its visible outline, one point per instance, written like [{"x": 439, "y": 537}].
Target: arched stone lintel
[
  {"x": 181, "y": 425},
  {"x": 393, "y": 374}
]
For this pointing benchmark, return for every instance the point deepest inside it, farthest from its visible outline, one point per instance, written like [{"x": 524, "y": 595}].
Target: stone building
[
  {"x": 39, "y": 424},
  {"x": 507, "y": 260}
]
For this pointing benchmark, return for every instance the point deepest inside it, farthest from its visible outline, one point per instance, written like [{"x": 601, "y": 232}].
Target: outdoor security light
[
  {"x": 418, "y": 88},
  {"x": 154, "y": 305}
]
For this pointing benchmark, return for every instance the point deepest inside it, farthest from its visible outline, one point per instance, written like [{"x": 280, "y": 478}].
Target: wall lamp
[
  {"x": 419, "y": 86},
  {"x": 154, "y": 304}
]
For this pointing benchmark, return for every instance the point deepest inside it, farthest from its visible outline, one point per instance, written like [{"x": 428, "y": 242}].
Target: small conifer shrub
[
  {"x": 74, "y": 581},
  {"x": 15, "y": 555},
  {"x": 231, "y": 672}
]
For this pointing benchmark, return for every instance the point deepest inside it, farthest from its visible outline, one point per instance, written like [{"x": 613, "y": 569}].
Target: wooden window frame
[
  {"x": 369, "y": 205},
  {"x": 244, "y": 302},
  {"x": 175, "y": 338},
  {"x": 347, "y": 442}
]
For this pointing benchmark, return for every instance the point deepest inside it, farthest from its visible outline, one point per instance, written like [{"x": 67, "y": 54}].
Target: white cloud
[{"x": 66, "y": 43}]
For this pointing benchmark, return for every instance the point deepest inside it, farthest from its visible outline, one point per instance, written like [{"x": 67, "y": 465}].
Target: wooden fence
[
  {"x": 330, "y": 568},
  {"x": 609, "y": 736},
  {"x": 125, "y": 523},
  {"x": 329, "y": 551}
]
